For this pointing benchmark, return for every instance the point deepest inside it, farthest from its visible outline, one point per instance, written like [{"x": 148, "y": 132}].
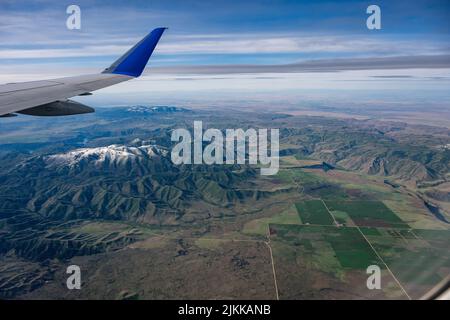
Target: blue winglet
[{"x": 133, "y": 62}]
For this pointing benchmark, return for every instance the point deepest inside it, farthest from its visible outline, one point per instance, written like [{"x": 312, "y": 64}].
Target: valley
[{"x": 104, "y": 195}]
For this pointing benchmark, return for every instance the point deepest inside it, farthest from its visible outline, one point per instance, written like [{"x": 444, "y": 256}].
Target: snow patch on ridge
[{"x": 117, "y": 154}]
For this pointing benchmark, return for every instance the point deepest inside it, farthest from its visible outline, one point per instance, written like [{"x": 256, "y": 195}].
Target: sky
[{"x": 214, "y": 47}]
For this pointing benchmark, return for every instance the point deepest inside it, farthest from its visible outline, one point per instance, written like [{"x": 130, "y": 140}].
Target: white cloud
[{"x": 228, "y": 44}]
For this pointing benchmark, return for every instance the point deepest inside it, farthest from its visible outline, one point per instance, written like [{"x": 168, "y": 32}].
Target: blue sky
[
  {"x": 35, "y": 42},
  {"x": 216, "y": 32}
]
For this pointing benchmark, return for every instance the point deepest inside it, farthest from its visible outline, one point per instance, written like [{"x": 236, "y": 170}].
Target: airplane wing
[{"x": 50, "y": 97}]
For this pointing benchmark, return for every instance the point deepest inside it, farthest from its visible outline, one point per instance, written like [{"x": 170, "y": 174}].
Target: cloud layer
[{"x": 324, "y": 65}]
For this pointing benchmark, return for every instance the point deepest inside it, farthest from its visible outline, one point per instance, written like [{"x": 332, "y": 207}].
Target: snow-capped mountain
[
  {"x": 156, "y": 109},
  {"x": 113, "y": 155}
]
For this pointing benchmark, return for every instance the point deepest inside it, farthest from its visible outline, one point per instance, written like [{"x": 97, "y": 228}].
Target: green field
[
  {"x": 310, "y": 257},
  {"x": 314, "y": 212},
  {"x": 368, "y": 213},
  {"x": 349, "y": 246},
  {"x": 261, "y": 226},
  {"x": 418, "y": 258},
  {"x": 298, "y": 175}
]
